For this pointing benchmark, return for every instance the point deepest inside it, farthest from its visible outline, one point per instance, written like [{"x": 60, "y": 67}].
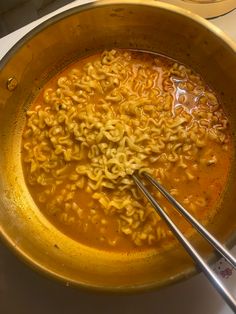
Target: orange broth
[{"x": 208, "y": 163}]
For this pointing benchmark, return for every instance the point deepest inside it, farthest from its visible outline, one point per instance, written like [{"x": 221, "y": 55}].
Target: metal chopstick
[
  {"x": 208, "y": 236},
  {"x": 186, "y": 244}
]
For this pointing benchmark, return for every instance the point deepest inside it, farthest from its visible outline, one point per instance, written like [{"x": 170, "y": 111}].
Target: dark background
[{"x": 17, "y": 13}]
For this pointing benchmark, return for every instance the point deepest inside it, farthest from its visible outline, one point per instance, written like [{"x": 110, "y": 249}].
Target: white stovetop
[{"x": 22, "y": 291}]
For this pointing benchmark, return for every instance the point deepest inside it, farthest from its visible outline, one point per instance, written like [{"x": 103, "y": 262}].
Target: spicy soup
[{"x": 109, "y": 115}]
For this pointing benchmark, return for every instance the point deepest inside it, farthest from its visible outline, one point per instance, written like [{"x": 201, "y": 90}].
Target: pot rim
[{"x": 42, "y": 26}]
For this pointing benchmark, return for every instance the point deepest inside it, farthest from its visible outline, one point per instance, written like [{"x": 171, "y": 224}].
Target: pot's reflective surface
[{"x": 129, "y": 24}]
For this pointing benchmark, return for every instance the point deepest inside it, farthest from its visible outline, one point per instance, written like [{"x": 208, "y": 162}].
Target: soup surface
[{"x": 109, "y": 115}]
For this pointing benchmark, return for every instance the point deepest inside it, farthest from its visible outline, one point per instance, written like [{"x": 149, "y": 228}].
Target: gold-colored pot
[{"x": 146, "y": 25}]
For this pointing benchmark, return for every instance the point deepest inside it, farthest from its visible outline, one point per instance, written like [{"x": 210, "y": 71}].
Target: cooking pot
[{"x": 145, "y": 25}]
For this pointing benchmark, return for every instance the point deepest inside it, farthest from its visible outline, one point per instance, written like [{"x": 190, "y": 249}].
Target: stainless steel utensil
[{"x": 184, "y": 241}]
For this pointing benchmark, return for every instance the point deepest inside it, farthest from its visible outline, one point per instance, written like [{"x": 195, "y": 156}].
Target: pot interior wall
[{"x": 47, "y": 49}]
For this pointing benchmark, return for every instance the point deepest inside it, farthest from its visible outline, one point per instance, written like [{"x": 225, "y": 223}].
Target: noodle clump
[{"x": 119, "y": 113}]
